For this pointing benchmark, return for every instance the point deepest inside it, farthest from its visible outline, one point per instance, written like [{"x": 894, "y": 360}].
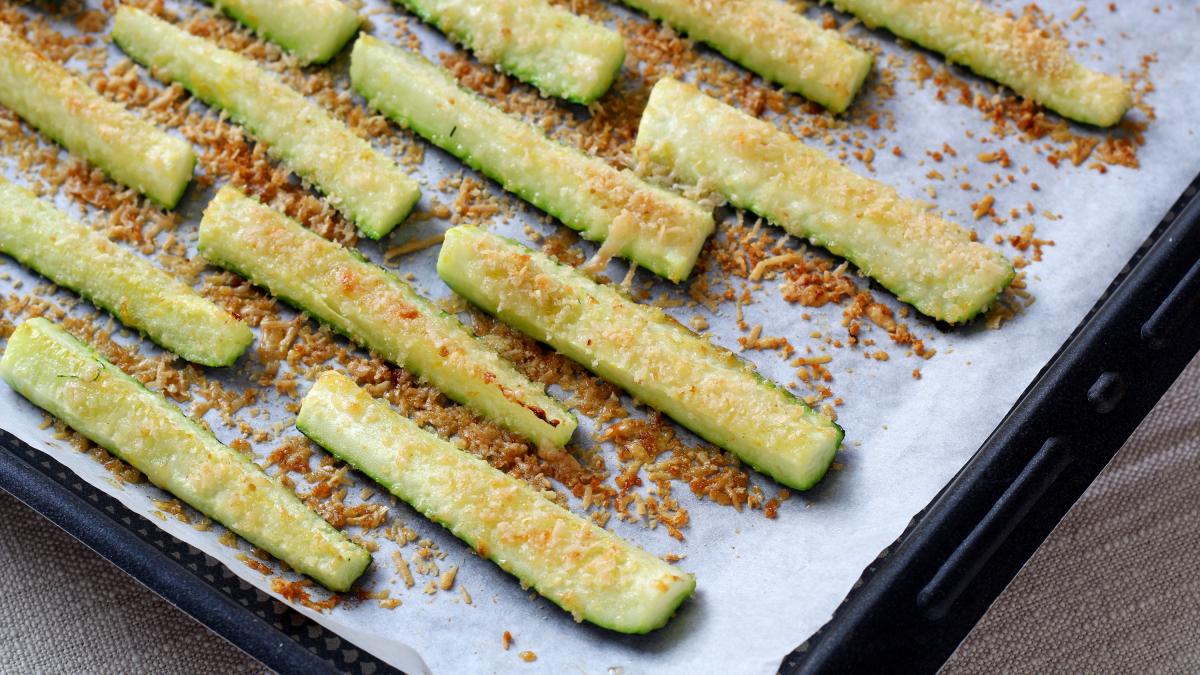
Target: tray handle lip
[
  {"x": 881, "y": 622},
  {"x": 167, "y": 577}
]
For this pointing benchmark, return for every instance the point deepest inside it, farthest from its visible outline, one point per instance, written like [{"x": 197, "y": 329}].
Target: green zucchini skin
[
  {"x": 655, "y": 228},
  {"x": 314, "y": 30},
  {"x": 1014, "y": 53},
  {"x": 374, "y": 308},
  {"x": 560, "y": 53},
  {"x": 130, "y": 150},
  {"x": 773, "y": 40},
  {"x": 129, "y": 287},
  {"x": 370, "y": 189},
  {"x": 68, "y": 379},
  {"x": 638, "y": 347},
  {"x": 925, "y": 260},
  {"x": 590, "y": 572}
]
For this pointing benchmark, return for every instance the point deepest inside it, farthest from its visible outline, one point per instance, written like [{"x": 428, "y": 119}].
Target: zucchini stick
[
  {"x": 586, "y": 570},
  {"x": 314, "y": 30},
  {"x": 62, "y": 375},
  {"x": 561, "y": 54},
  {"x": 139, "y": 294},
  {"x": 925, "y": 260},
  {"x": 130, "y": 150},
  {"x": 638, "y": 347},
  {"x": 775, "y": 41},
  {"x": 374, "y": 308},
  {"x": 359, "y": 181},
  {"x": 1013, "y": 52},
  {"x": 651, "y": 226}
]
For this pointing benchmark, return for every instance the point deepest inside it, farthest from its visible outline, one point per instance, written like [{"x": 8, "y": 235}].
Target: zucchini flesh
[
  {"x": 704, "y": 387},
  {"x": 374, "y": 308},
  {"x": 362, "y": 183},
  {"x": 130, "y": 150},
  {"x": 925, "y": 260},
  {"x": 62, "y": 375},
  {"x": 1015, "y": 53},
  {"x": 314, "y": 30},
  {"x": 647, "y": 224},
  {"x": 560, "y": 53},
  {"x": 586, "y": 570},
  {"x": 139, "y": 294},
  {"x": 773, "y": 40}
]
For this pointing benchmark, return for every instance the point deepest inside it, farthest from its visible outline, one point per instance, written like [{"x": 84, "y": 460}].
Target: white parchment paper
[{"x": 765, "y": 585}]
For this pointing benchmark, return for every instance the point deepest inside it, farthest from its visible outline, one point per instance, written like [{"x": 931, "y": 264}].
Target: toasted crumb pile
[{"x": 649, "y": 463}]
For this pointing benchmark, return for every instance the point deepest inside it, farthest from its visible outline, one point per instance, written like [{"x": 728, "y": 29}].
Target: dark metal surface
[
  {"x": 918, "y": 600},
  {"x": 256, "y": 623}
]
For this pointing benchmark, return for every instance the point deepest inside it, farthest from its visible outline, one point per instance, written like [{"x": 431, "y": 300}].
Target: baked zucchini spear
[
  {"x": 314, "y": 30},
  {"x": 560, "y": 53},
  {"x": 772, "y": 39},
  {"x": 588, "y": 571},
  {"x": 1013, "y": 52},
  {"x": 639, "y": 348},
  {"x": 925, "y": 260},
  {"x": 374, "y": 308},
  {"x": 62, "y": 375},
  {"x": 139, "y": 294},
  {"x": 658, "y": 229},
  {"x": 359, "y": 181},
  {"x": 130, "y": 150}
]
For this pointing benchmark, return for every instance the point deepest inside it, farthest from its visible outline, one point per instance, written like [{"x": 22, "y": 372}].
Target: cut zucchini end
[
  {"x": 176, "y": 179},
  {"x": 232, "y": 347},
  {"x": 384, "y": 226},
  {"x": 840, "y": 101},
  {"x": 655, "y": 614},
  {"x": 822, "y": 460},
  {"x": 965, "y": 311},
  {"x": 1113, "y": 98},
  {"x": 600, "y": 86},
  {"x": 356, "y": 565}
]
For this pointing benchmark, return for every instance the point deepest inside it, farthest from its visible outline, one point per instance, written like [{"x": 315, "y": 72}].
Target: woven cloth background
[{"x": 1116, "y": 588}]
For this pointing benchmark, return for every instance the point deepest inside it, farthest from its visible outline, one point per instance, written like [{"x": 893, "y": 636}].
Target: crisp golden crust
[
  {"x": 926, "y": 260},
  {"x": 773, "y": 40},
  {"x": 550, "y": 47},
  {"x": 1014, "y": 52},
  {"x": 139, "y": 294},
  {"x": 68, "y": 379},
  {"x": 360, "y": 181},
  {"x": 126, "y": 147},
  {"x": 588, "y": 571},
  {"x": 377, "y": 310},
  {"x": 662, "y": 231},
  {"x": 638, "y": 347}
]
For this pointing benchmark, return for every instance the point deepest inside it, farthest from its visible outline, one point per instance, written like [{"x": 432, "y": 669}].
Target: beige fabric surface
[{"x": 1116, "y": 588}]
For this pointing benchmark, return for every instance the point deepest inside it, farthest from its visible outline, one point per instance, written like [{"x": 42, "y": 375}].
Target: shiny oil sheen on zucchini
[
  {"x": 639, "y": 348},
  {"x": 1014, "y": 52},
  {"x": 130, "y": 150},
  {"x": 655, "y": 228},
  {"x": 68, "y": 379},
  {"x": 555, "y": 50},
  {"x": 139, "y": 294},
  {"x": 376, "y": 309},
  {"x": 313, "y": 30},
  {"x": 924, "y": 259},
  {"x": 369, "y": 188},
  {"x": 773, "y": 40},
  {"x": 590, "y": 572}
]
